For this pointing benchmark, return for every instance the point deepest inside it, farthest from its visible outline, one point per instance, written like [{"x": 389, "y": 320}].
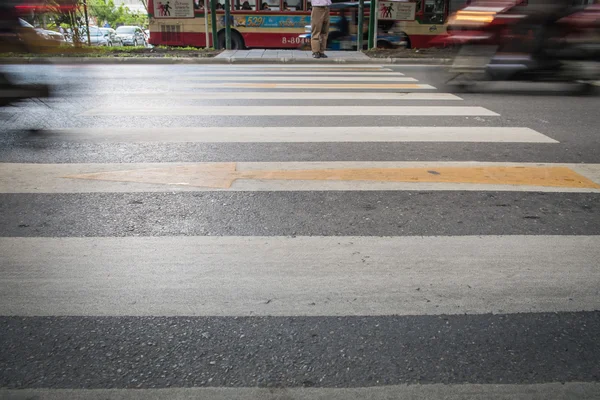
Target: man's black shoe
[
  {"x": 316, "y": 55},
  {"x": 323, "y": 55}
]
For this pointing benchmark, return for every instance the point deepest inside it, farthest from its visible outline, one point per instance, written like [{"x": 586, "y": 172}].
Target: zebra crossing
[{"x": 257, "y": 232}]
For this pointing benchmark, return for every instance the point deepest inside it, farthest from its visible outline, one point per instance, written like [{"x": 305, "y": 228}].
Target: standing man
[{"x": 319, "y": 20}]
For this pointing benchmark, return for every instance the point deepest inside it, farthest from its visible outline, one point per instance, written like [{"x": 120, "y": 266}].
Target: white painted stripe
[
  {"x": 227, "y": 67},
  {"x": 50, "y": 178},
  {"x": 294, "y": 73},
  {"x": 317, "y": 78},
  {"x": 296, "y": 66},
  {"x": 136, "y": 74},
  {"x": 361, "y": 134},
  {"x": 547, "y": 391},
  {"x": 312, "y": 86},
  {"x": 323, "y": 276},
  {"x": 200, "y": 67},
  {"x": 278, "y": 95},
  {"x": 239, "y": 72},
  {"x": 311, "y": 111},
  {"x": 421, "y": 66}
]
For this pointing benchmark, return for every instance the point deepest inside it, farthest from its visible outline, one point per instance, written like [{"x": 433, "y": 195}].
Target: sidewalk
[
  {"x": 253, "y": 56},
  {"x": 291, "y": 55}
]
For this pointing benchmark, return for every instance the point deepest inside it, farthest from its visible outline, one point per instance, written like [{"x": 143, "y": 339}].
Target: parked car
[
  {"x": 131, "y": 35},
  {"x": 52, "y": 35},
  {"x": 114, "y": 39},
  {"x": 26, "y": 25},
  {"x": 29, "y": 39},
  {"x": 28, "y": 29},
  {"x": 97, "y": 37}
]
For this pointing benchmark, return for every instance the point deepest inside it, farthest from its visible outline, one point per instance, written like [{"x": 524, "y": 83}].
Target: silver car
[
  {"x": 97, "y": 37},
  {"x": 131, "y": 35},
  {"x": 113, "y": 38}
]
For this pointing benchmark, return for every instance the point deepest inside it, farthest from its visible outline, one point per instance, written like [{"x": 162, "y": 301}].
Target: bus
[
  {"x": 279, "y": 24},
  {"x": 422, "y": 26}
]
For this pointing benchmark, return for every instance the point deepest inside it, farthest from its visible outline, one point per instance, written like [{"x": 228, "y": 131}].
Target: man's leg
[
  {"x": 324, "y": 31},
  {"x": 316, "y": 22}
]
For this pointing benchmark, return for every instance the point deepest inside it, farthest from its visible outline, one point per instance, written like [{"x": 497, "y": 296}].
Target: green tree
[
  {"x": 103, "y": 11},
  {"x": 65, "y": 13},
  {"x": 106, "y": 11}
]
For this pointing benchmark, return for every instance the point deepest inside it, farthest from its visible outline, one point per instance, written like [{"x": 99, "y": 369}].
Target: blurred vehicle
[
  {"x": 12, "y": 93},
  {"x": 26, "y": 26},
  {"x": 97, "y": 37},
  {"x": 493, "y": 45},
  {"x": 131, "y": 35},
  {"x": 113, "y": 38},
  {"x": 18, "y": 35},
  {"x": 52, "y": 35},
  {"x": 28, "y": 31}
]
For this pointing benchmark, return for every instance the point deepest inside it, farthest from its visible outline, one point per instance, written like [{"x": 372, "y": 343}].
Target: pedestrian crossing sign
[{"x": 396, "y": 10}]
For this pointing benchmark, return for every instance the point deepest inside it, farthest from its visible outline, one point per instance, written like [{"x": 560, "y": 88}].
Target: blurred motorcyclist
[
  {"x": 10, "y": 39},
  {"x": 13, "y": 39},
  {"x": 9, "y": 33},
  {"x": 543, "y": 15}
]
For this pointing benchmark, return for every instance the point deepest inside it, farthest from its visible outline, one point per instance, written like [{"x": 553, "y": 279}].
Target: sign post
[
  {"x": 213, "y": 22},
  {"x": 359, "y": 30},
  {"x": 372, "y": 13},
  {"x": 227, "y": 25},
  {"x": 376, "y": 24},
  {"x": 174, "y": 9},
  {"x": 206, "y": 27},
  {"x": 396, "y": 10}
]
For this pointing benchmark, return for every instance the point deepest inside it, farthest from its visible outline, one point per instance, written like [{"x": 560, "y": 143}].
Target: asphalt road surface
[{"x": 297, "y": 232}]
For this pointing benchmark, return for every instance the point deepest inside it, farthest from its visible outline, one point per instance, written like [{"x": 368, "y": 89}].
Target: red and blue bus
[{"x": 280, "y": 23}]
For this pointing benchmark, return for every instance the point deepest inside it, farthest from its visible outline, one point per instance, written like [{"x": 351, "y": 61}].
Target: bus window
[
  {"x": 245, "y": 5},
  {"x": 434, "y": 12},
  {"x": 291, "y": 5},
  {"x": 269, "y": 5}
]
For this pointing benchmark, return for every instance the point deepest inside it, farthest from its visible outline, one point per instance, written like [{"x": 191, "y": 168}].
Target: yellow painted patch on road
[{"x": 223, "y": 175}]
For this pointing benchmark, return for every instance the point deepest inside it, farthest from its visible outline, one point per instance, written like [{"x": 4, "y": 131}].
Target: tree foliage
[
  {"x": 54, "y": 13},
  {"x": 105, "y": 11},
  {"x": 70, "y": 14}
]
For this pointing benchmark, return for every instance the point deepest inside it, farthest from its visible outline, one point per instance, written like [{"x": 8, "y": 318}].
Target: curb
[{"x": 216, "y": 60}]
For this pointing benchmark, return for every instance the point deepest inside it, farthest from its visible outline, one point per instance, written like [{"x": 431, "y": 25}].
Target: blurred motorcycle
[
  {"x": 493, "y": 45},
  {"x": 18, "y": 37}
]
